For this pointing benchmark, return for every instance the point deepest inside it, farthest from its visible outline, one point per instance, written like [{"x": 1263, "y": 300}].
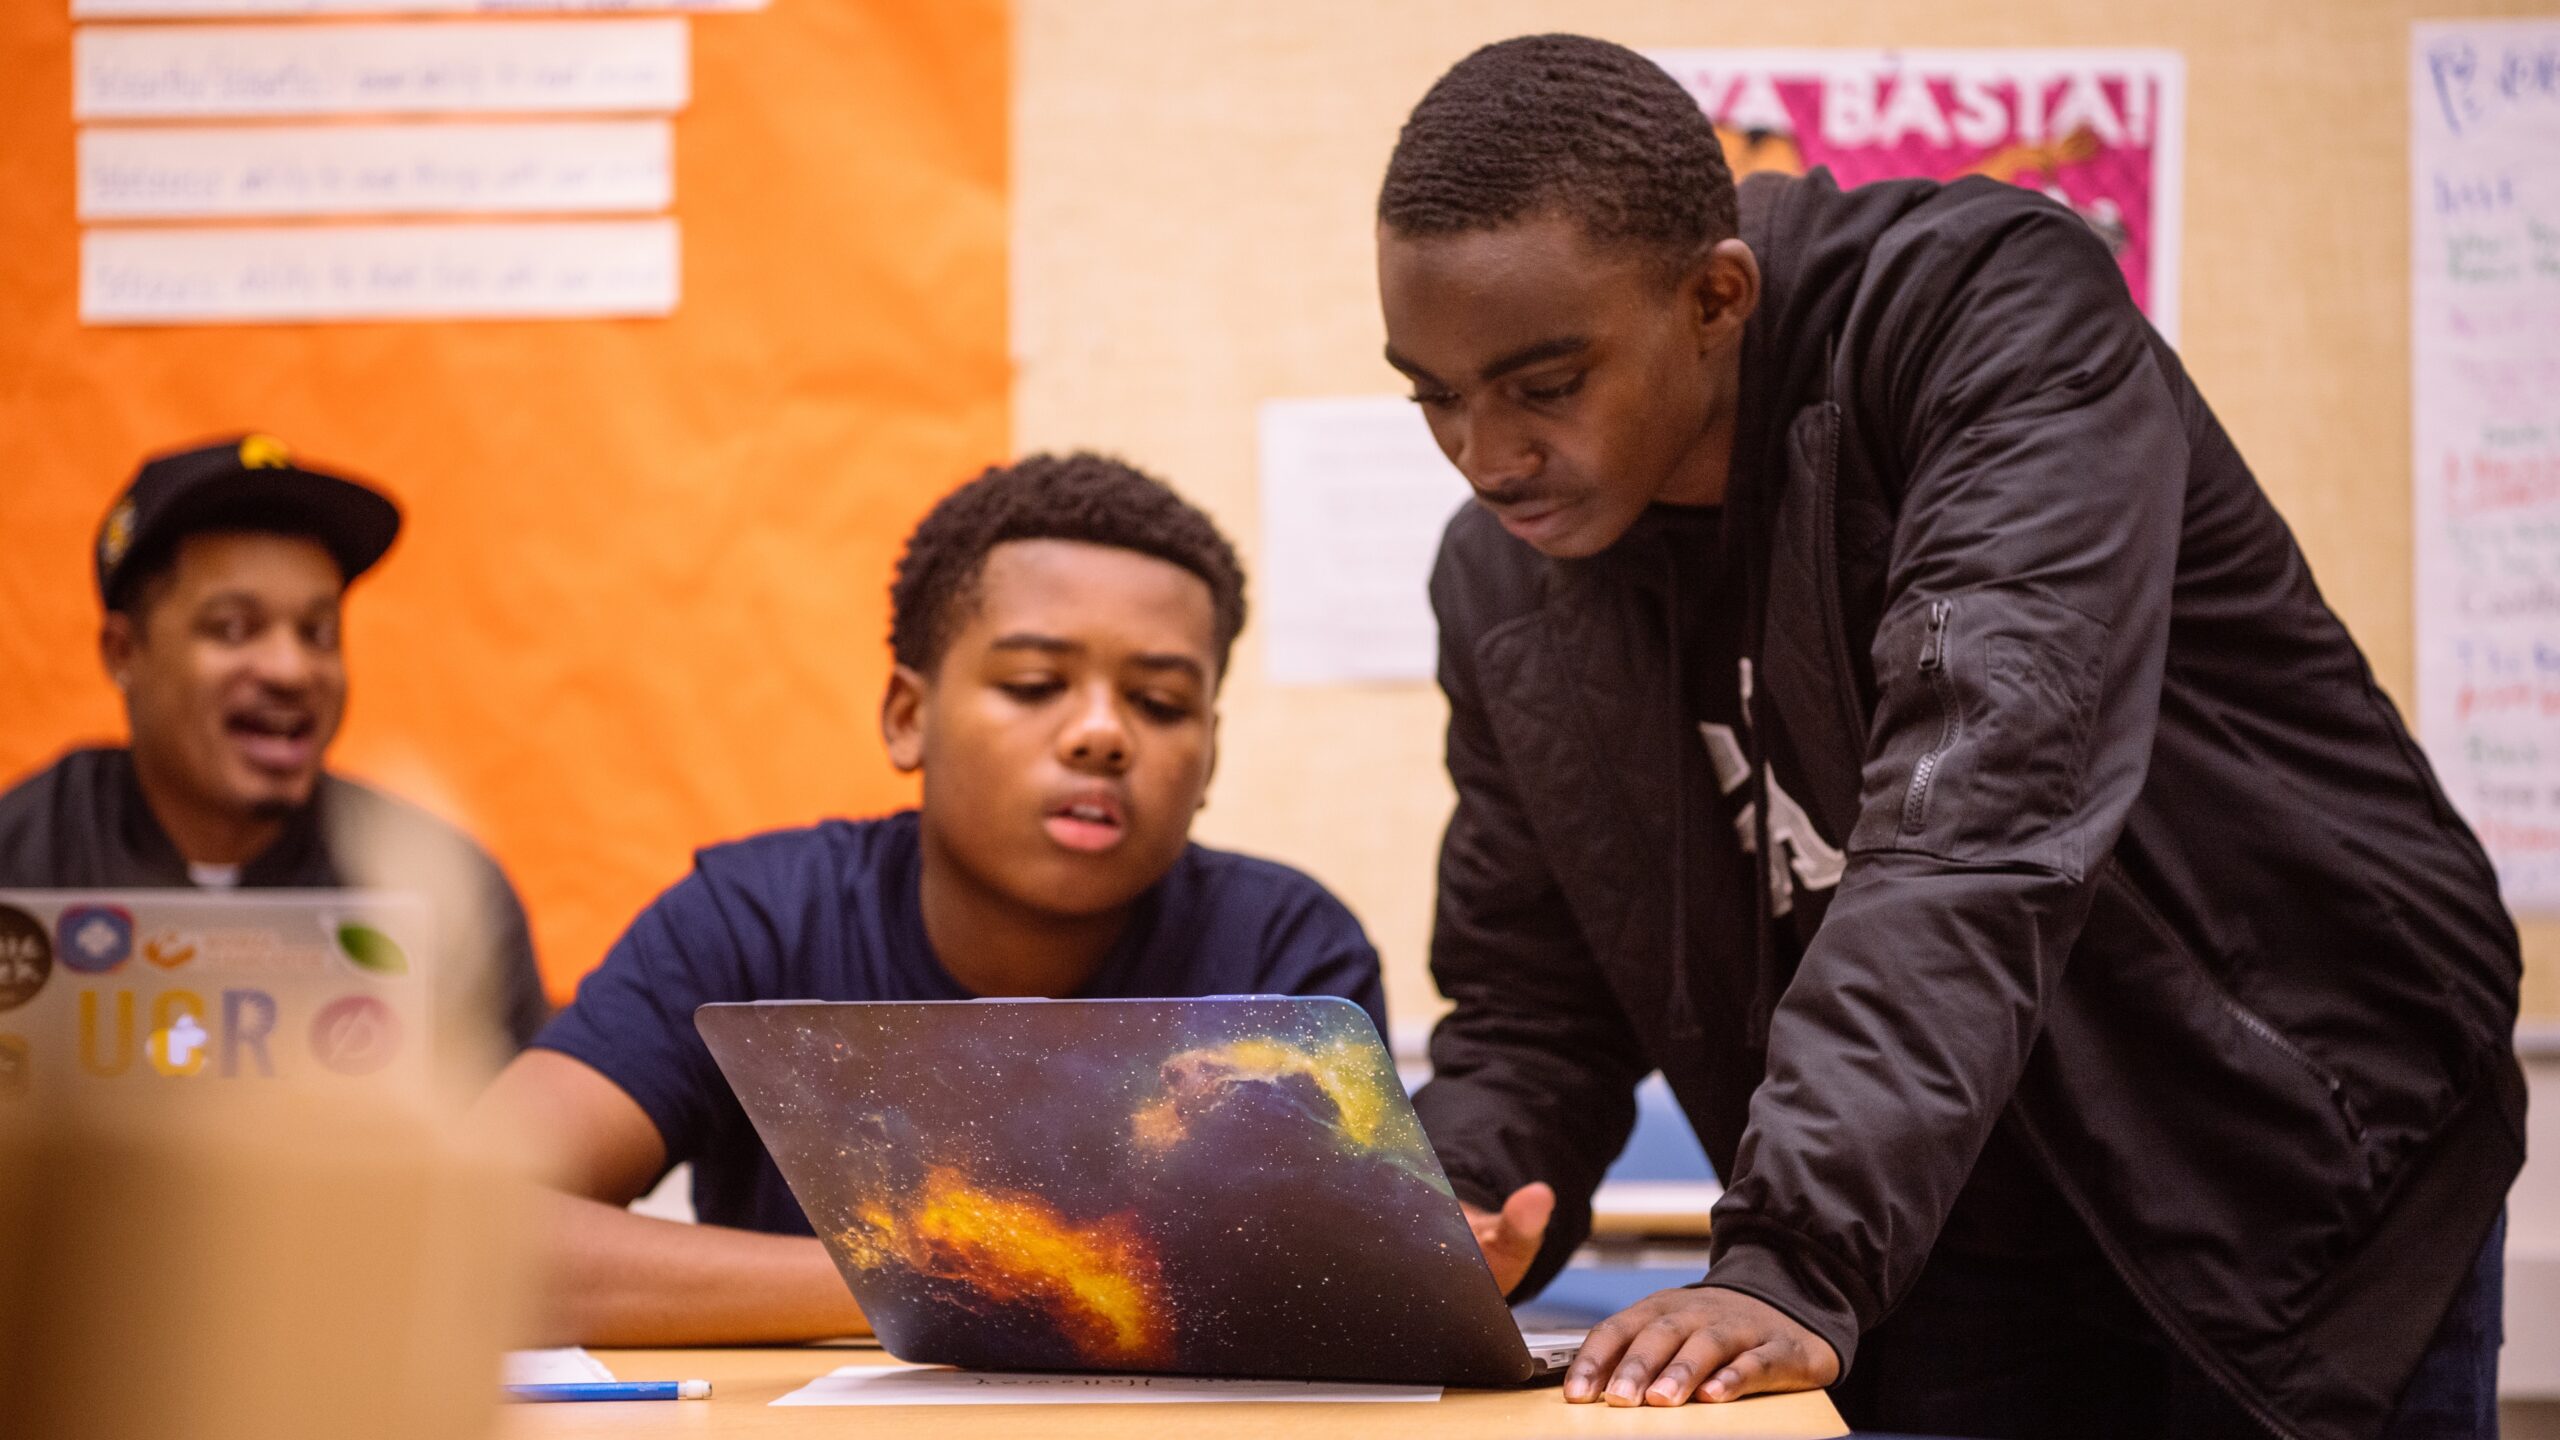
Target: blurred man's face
[
  {"x": 1067, "y": 734},
  {"x": 232, "y": 676}
]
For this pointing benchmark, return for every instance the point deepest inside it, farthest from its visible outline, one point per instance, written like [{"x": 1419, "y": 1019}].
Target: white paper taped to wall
[
  {"x": 2484, "y": 252},
  {"x": 171, "y": 172},
  {"x": 283, "y": 9},
  {"x": 235, "y": 274},
  {"x": 1355, "y": 494},
  {"x": 149, "y": 72}
]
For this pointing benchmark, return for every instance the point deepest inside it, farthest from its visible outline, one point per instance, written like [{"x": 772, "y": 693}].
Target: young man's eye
[
  {"x": 1556, "y": 390},
  {"x": 1433, "y": 399},
  {"x": 1163, "y": 709},
  {"x": 1029, "y": 692},
  {"x": 228, "y": 629},
  {"x": 321, "y": 634}
]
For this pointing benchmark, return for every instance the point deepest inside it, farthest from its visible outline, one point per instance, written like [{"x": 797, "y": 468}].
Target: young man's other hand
[
  {"x": 1703, "y": 1342},
  {"x": 1511, "y": 1236}
]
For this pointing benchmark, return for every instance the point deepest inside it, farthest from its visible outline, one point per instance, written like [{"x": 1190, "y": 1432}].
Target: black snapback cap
[{"x": 251, "y": 480}]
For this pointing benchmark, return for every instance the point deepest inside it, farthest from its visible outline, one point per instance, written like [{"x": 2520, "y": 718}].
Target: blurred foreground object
[{"x": 268, "y": 1268}]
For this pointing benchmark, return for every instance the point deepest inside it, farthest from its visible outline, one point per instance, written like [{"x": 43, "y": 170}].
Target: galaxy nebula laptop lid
[{"x": 1230, "y": 1186}]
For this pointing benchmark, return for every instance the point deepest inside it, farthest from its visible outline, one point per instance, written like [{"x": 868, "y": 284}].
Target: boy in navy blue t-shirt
[{"x": 1060, "y": 628}]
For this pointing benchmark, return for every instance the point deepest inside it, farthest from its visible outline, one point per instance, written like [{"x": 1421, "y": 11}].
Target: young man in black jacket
[{"x": 1883, "y": 700}]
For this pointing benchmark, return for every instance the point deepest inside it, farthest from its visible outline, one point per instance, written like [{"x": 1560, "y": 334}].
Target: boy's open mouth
[{"x": 1088, "y": 821}]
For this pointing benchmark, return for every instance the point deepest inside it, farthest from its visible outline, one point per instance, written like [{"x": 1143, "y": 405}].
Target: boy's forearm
[{"x": 615, "y": 1278}]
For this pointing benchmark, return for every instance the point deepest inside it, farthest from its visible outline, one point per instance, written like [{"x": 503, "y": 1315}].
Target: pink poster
[{"x": 2099, "y": 130}]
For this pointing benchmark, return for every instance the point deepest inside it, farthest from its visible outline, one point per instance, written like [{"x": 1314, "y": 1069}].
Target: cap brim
[{"x": 356, "y": 522}]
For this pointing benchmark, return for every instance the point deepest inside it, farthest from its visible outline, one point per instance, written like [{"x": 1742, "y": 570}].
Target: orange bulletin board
[{"x": 640, "y": 604}]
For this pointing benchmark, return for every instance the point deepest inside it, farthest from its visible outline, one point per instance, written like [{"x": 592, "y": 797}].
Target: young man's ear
[
  {"x": 117, "y": 640},
  {"x": 902, "y": 719},
  {"x": 1722, "y": 291}
]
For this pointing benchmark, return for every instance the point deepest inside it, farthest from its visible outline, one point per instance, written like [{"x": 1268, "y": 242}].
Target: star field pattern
[{"x": 1211, "y": 1187}]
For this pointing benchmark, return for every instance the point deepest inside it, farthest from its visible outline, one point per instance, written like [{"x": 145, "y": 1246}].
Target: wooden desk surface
[{"x": 744, "y": 1383}]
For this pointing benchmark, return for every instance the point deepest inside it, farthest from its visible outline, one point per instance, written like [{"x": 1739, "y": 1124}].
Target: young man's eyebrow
[{"x": 1520, "y": 359}]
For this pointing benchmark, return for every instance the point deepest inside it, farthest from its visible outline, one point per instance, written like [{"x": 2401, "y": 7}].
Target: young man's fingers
[
  {"x": 1697, "y": 1359},
  {"x": 1751, "y": 1372},
  {"x": 1652, "y": 1348},
  {"x": 1599, "y": 1355}
]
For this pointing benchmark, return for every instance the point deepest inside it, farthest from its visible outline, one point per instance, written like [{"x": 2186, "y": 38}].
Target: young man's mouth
[
  {"x": 281, "y": 742},
  {"x": 1091, "y": 822}
]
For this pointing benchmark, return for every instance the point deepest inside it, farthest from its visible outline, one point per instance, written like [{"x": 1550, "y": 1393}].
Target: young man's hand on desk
[
  {"x": 615, "y": 1278},
  {"x": 1666, "y": 1349}
]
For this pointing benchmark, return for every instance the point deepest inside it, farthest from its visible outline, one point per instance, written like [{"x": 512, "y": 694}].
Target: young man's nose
[{"x": 1496, "y": 457}]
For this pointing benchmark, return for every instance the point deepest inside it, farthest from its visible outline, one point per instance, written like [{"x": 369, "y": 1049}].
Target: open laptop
[
  {"x": 137, "y": 991},
  {"x": 1227, "y": 1186}
]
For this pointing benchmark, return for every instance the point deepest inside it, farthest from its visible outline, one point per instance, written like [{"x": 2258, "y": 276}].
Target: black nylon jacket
[{"x": 2142, "y": 866}]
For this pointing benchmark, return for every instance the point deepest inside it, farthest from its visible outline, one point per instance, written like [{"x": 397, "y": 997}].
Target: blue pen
[{"x": 615, "y": 1390}]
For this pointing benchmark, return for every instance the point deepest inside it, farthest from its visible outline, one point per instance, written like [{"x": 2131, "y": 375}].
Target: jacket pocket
[{"x": 1980, "y": 746}]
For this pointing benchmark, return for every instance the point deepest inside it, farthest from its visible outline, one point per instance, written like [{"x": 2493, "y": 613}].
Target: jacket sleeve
[
  {"x": 2018, "y": 668},
  {"x": 1534, "y": 1067}
]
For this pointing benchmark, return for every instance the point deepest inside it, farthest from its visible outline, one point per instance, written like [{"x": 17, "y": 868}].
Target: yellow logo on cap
[
  {"x": 117, "y": 537},
  {"x": 264, "y": 452}
]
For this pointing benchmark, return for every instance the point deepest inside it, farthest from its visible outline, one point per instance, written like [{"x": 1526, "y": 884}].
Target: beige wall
[{"x": 1192, "y": 191}]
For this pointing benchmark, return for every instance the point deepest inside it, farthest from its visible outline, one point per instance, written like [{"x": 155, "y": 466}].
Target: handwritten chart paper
[
  {"x": 2484, "y": 252},
  {"x": 1354, "y": 497},
  {"x": 935, "y": 1385},
  {"x": 150, "y": 72},
  {"x": 2101, "y": 131},
  {"x": 168, "y": 172},
  {"x": 247, "y": 274},
  {"x": 283, "y": 9}
]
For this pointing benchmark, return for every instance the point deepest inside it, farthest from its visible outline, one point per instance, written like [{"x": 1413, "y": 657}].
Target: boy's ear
[
  {"x": 1211, "y": 776},
  {"x": 902, "y": 718}
]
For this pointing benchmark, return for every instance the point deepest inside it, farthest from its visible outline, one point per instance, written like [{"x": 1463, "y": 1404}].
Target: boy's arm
[{"x": 614, "y": 1278}]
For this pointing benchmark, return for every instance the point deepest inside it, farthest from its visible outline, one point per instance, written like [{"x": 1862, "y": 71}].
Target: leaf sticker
[{"x": 372, "y": 950}]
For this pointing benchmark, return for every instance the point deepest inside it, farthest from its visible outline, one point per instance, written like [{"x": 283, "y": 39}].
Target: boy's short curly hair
[{"x": 1083, "y": 496}]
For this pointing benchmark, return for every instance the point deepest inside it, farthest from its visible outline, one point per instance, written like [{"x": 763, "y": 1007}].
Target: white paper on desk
[
  {"x": 939, "y": 1385},
  {"x": 1354, "y": 497},
  {"x": 571, "y": 1366}
]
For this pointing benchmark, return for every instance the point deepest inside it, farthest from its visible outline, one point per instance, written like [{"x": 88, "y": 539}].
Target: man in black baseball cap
[{"x": 222, "y": 570}]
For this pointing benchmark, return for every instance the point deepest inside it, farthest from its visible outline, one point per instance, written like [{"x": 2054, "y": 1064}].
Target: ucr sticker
[
  {"x": 26, "y": 957},
  {"x": 355, "y": 1035},
  {"x": 94, "y": 939}
]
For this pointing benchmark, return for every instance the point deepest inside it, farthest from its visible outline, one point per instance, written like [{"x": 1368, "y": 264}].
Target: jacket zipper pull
[{"x": 1934, "y": 649}]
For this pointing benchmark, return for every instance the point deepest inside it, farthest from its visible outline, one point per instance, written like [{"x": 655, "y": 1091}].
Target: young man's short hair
[
  {"x": 1084, "y": 497},
  {"x": 1567, "y": 125}
]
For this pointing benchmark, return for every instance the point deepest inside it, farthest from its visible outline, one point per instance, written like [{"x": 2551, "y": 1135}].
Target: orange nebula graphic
[
  {"x": 1195, "y": 1080},
  {"x": 1099, "y": 1281}
]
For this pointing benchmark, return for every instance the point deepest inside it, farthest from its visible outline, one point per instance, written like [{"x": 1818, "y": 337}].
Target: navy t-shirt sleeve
[
  {"x": 1316, "y": 947},
  {"x": 632, "y": 1019}
]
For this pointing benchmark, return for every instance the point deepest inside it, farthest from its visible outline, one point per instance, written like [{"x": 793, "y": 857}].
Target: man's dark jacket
[
  {"x": 82, "y": 823},
  {"x": 2142, "y": 866}
]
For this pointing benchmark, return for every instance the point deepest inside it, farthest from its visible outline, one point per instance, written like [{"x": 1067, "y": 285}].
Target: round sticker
[
  {"x": 95, "y": 939},
  {"x": 355, "y": 1035},
  {"x": 26, "y": 957}
]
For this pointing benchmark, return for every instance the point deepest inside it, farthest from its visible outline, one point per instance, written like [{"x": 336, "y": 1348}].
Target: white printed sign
[
  {"x": 1355, "y": 494},
  {"x": 2484, "y": 253},
  {"x": 282, "y": 9},
  {"x": 146, "y": 72},
  {"x": 232, "y": 274},
  {"x": 169, "y": 172}
]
